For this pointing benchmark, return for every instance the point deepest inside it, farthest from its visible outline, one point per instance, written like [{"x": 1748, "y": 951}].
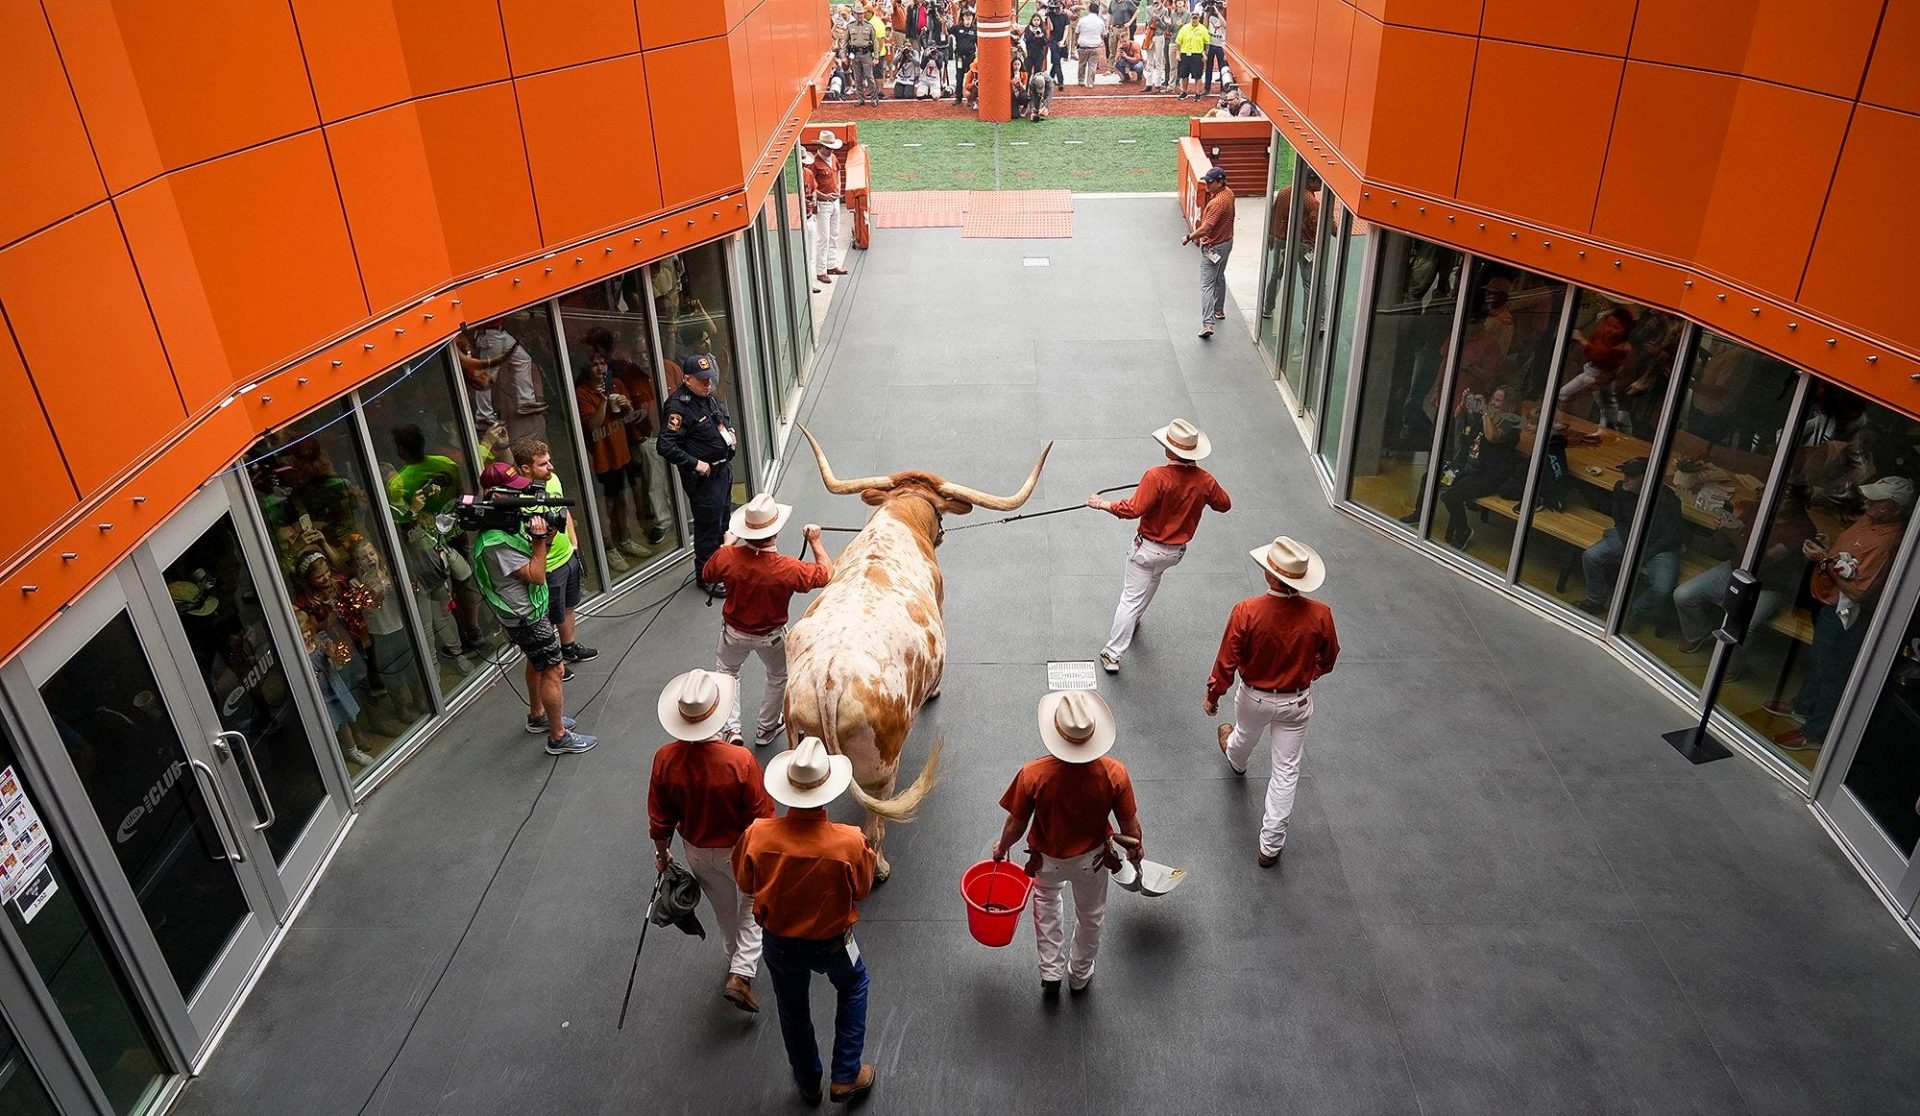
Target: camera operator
[{"x": 511, "y": 568}]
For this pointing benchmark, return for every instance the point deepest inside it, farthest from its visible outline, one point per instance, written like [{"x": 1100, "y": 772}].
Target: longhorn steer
[{"x": 872, "y": 647}]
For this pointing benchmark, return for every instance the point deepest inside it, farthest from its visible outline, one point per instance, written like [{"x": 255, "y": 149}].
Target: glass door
[
  {"x": 171, "y": 843},
  {"x": 1327, "y": 257}
]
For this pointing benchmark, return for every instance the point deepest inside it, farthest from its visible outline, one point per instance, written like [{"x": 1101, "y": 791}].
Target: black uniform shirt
[{"x": 691, "y": 430}]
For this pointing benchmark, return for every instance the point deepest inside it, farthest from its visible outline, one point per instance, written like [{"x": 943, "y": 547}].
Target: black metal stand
[{"x": 1743, "y": 594}]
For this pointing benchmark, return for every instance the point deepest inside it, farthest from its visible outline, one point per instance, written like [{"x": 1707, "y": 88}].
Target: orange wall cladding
[
  {"x": 1749, "y": 163},
  {"x": 292, "y": 197}
]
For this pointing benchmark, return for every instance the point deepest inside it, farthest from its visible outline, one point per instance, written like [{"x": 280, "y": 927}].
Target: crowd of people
[{"x": 929, "y": 50}]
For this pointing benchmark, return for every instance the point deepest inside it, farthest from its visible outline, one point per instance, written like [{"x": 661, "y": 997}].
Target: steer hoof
[{"x": 880, "y": 873}]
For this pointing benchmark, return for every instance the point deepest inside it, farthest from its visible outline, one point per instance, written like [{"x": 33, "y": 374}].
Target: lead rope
[{"x": 989, "y": 523}]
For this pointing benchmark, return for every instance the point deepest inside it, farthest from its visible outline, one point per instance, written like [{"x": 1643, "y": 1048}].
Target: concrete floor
[{"x": 1503, "y": 892}]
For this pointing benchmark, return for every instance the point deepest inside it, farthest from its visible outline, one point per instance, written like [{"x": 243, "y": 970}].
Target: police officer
[{"x": 699, "y": 439}]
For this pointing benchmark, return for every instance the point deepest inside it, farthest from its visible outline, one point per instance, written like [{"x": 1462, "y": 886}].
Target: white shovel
[{"x": 1148, "y": 879}]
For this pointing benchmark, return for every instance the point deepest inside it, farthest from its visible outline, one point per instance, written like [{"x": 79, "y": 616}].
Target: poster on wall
[{"x": 26, "y": 880}]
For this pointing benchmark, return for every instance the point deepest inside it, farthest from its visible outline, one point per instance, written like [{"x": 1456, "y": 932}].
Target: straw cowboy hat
[
  {"x": 1295, "y": 563},
  {"x": 808, "y": 775},
  {"x": 695, "y": 705},
  {"x": 759, "y": 518},
  {"x": 1184, "y": 440},
  {"x": 1076, "y": 725},
  {"x": 828, "y": 140}
]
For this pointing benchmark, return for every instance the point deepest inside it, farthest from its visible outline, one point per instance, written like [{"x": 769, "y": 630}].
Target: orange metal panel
[
  {"x": 1332, "y": 46},
  {"x": 548, "y": 34},
  {"x": 1893, "y": 74},
  {"x": 88, "y": 340},
  {"x": 1664, "y": 154},
  {"x": 692, "y": 94},
  {"x": 747, "y": 130},
  {"x": 162, "y": 86},
  {"x": 1420, "y": 110},
  {"x": 51, "y": 173},
  {"x": 30, "y": 442},
  {"x": 1862, "y": 269},
  {"x": 1537, "y": 132},
  {"x": 667, "y": 22},
  {"x": 1363, "y": 80},
  {"x": 1293, "y": 50},
  {"x": 587, "y": 179},
  {"x": 386, "y": 183},
  {"x": 1761, "y": 222},
  {"x": 1598, "y": 26},
  {"x": 767, "y": 78},
  {"x": 473, "y": 136},
  {"x": 255, "y": 244},
  {"x": 367, "y": 54},
  {"x": 1814, "y": 46},
  {"x": 1462, "y": 16}
]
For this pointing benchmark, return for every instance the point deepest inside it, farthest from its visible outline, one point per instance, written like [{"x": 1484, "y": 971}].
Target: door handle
[
  {"x": 245, "y": 748},
  {"x": 210, "y": 786}
]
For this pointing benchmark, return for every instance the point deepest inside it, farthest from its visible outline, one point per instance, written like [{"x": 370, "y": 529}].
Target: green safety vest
[{"x": 536, "y": 592}]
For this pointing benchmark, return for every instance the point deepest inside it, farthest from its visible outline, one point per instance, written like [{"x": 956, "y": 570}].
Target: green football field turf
[{"x": 1086, "y": 154}]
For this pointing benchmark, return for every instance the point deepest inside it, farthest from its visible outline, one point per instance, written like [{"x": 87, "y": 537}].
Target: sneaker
[
  {"x": 538, "y": 725},
  {"x": 634, "y": 549},
  {"x": 1691, "y": 646},
  {"x": 572, "y": 743},
  {"x": 656, "y": 535},
  {"x": 579, "y": 653},
  {"x": 1796, "y": 740},
  {"x": 616, "y": 563},
  {"x": 1412, "y": 518},
  {"x": 1206, "y": 332},
  {"x": 1109, "y": 662},
  {"x": 730, "y": 735},
  {"x": 566, "y": 673},
  {"x": 763, "y": 739},
  {"x": 355, "y": 755},
  {"x": 1078, "y": 985},
  {"x": 1784, "y": 709}
]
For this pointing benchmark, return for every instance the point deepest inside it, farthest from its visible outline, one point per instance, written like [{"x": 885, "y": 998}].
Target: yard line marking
[
  {"x": 1016, "y": 143},
  {"x": 1126, "y": 141},
  {"x": 909, "y": 145},
  {"x": 968, "y": 143},
  {"x": 1071, "y": 142}
]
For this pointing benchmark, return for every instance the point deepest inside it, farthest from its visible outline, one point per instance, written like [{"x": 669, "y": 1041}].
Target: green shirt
[
  {"x": 409, "y": 480},
  {"x": 560, "y": 550}
]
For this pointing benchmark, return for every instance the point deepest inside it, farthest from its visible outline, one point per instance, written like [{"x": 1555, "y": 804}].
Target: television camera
[{"x": 511, "y": 510}]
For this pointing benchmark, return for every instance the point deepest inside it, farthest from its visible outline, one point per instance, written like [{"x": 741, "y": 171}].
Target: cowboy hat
[
  {"x": 759, "y": 518},
  {"x": 695, "y": 705},
  {"x": 1294, "y": 563},
  {"x": 1076, "y": 725},
  {"x": 1184, "y": 440},
  {"x": 808, "y": 775},
  {"x": 828, "y": 140}
]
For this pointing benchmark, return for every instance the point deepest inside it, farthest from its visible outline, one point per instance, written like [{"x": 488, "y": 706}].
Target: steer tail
[{"x": 901, "y": 807}]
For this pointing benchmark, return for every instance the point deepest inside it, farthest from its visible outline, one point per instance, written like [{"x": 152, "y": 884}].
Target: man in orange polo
[
  {"x": 1168, "y": 503},
  {"x": 1067, "y": 797},
  {"x": 761, "y": 583},
  {"x": 708, "y": 792},
  {"x": 1214, "y": 231},
  {"x": 805, "y": 874},
  {"x": 1278, "y": 643}
]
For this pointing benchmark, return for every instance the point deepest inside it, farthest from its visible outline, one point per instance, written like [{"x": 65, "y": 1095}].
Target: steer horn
[
  {"x": 834, "y": 484},
  {"x": 987, "y": 500}
]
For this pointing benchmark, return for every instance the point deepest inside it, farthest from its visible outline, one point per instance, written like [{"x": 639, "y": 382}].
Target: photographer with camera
[{"x": 510, "y": 562}]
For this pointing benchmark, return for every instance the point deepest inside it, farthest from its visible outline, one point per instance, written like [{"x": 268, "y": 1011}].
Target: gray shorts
[
  {"x": 563, "y": 587},
  {"x": 540, "y": 642}
]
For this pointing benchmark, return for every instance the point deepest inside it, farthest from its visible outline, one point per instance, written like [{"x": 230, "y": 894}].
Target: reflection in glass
[
  {"x": 1341, "y": 363},
  {"x": 799, "y": 279},
  {"x": 107, "y": 707},
  {"x": 1885, "y": 773},
  {"x": 609, "y": 343},
  {"x": 1733, "y": 411},
  {"x": 1493, "y": 409},
  {"x": 320, "y": 508},
  {"x": 1303, "y": 252},
  {"x": 65, "y": 944},
  {"x": 760, "y": 351},
  {"x": 422, "y": 449},
  {"x": 690, "y": 298},
  {"x": 233, "y": 655},
  {"x": 1412, "y": 312},
  {"x": 1857, "y": 462},
  {"x": 1326, "y": 257},
  {"x": 787, "y": 376},
  {"x": 21, "y": 1092},
  {"x": 1273, "y": 260}
]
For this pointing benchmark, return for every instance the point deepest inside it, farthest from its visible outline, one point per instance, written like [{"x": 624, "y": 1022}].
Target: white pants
[
  {"x": 772, "y": 649},
  {"x": 732, "y": 910},
  {"x": 1146, "y": 561},
  {"x": 1255, "y": 711},
  {"x": 1089, "y": 880},
  {"x": 825, "y": 226}
]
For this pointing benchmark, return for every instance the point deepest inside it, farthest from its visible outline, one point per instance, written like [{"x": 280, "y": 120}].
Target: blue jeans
[
  {"x": 1601, "y": 563},
  {"x": 1835, "y": 646},
  {"x": 792, "y": 963}
]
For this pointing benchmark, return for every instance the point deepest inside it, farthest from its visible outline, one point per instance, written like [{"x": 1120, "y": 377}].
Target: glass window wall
[
  {"x": 793, "y": 219},
  {"x": 690, "y": 298},
  {"x": 617, "y": 394},
  {"x": 1885, "y": 773},
  {"x": 321, "y": 511},
  {"x": 1492, "y": 411},
  {"x": 1304, "y": 242},
  {"x": 1413, "y": 308},
  {"x": 1340, "y": 364},
  {"x": 423, "y": 449},
  {"x": 1273, "y": 259}
]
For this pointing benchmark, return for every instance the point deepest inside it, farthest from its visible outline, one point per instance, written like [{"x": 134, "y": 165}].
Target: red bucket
[{"x": 996, "y": 892}]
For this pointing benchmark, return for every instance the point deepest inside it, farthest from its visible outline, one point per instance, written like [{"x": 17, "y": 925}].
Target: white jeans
[
  {"x": 1255, "y": 711},
  {"x": 1089, "y": 881},
  {"x": 739, "y": 933},
  {"x": 825, "y": 227},
  {"x": 1146, "y": 561},
  {"x": 772, "y": 649}
]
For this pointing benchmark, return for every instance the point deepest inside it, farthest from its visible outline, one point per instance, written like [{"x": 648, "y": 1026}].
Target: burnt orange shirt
[
  {"x": 1873, "y": 546},
  {"x": 1216, "y": 218},
  {"x": 1276, "y": 642},
  {"x": 760, "y": 585},
  {"x": 709, "y": 791},
  {"x": 1068, "y": 803},
  {"x": 1169, "y": 501},
  {"x": 805, "y": 873}
]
